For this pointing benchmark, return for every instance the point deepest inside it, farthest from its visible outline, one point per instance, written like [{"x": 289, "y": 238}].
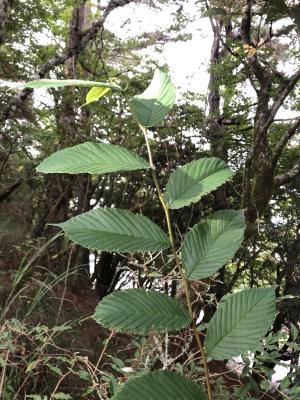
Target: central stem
[{"x": 178, "y": 262}]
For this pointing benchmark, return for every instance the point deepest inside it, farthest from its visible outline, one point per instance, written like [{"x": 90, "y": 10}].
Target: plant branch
[
  {"x": 177, "y": 261},
  {"x": 283, "y": 141},
  {"x": 284, "y": 91},
  {"x": 288, "y": 176}
]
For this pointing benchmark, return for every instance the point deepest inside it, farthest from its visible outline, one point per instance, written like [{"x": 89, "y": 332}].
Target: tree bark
[
  {"x": 260, "y": 166},
  {"x": 5, "y": 6}
]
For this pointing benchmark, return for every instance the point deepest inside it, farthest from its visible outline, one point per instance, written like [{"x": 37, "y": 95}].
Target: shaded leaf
[
  {"x": 189, "y": 183},
  {"x": 112, "y": 229},
  {"x": 294, "y": 332},
  {"x": 92, "y": 158},
  {"x": 32, "y": 365},
  {"x": 152, "y": 106},
  {"x": 54, "y": 369},
  {"x": 240, "y": 323},
  {"x": 212, "y": 242},
  {"x": 160, "y": 385},
  {"x": 140, "y": 311}
]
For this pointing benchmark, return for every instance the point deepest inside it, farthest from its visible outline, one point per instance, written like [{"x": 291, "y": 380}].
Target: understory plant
[{"x": 241, "y": 320}]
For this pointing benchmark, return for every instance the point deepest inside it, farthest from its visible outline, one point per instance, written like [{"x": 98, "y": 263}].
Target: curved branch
[
  {"x": 283, "y": 141},
  {"x": 288, "y": 176},
  {"x": 9, "y": 191},
  {"x": 284, "y": 91}
]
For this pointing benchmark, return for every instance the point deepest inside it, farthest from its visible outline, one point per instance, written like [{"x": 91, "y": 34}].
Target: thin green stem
[{"x": 178, "y": 262}]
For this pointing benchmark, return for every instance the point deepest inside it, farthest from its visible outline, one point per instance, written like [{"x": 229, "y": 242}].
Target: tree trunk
[{"x": 5, "y": 6}]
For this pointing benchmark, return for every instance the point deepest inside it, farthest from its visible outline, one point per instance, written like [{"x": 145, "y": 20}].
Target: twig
[
  {"x": 3, "y": 373},
  {"x": 103, "y": 351},
  {"x": 65, "y": 285}
]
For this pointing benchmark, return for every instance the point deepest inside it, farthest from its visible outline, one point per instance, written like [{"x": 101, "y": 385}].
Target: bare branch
[
  {"x": 284, "y": 91},
  {"x": 280, "y": 32},
  {"x": 283, "y": 141},
  {"x": 9, "y": 191},
  {"x": 288, "y": 176}
]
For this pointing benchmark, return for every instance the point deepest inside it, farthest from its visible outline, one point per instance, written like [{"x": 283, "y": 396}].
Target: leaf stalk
[{"x": 185, "y": 281}]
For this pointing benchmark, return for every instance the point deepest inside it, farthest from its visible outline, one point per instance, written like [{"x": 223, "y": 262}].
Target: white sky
[{"x": 187, "y": 60}]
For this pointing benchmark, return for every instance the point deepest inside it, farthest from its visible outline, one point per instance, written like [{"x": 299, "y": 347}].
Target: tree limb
[
  {"x": 9, "y": 191},
  {"x": 283, "y": 141},
  {"x": 284, "y": 91},
  {"x": 280, "y": 32},
  {"x": 288, "y": 176}
]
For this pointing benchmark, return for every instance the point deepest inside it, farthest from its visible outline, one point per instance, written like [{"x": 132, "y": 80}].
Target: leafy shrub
[{"x": 242, "y": 318}]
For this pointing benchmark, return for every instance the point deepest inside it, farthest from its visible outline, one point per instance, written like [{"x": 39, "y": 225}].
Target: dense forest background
[{"x": 249, "y": 117}]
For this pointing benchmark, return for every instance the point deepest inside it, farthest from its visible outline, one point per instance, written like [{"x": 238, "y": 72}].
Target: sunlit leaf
[
  {"x": 152, "y": 106},
  {"x": 92, "y": 158},
  {"x": 96, "y": 93}
]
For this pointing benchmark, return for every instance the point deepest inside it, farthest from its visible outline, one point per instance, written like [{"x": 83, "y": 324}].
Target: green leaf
[
  {"x": 83, "y": 374},
  {"x": 214, "y": 12},
  {"x": 294, "y": 332},
  {"x": 140, "y": 311},
  {"x": 212, "y": 242},
  {"x": 32, "y": 365},
  {"x": 96, "y": 93},
  {"x": 152, "y": 106},
  {"x": 240, "y": 322},
  {"x": 189, "y": 183},
  {"x": 160, "y": 385},
  {"x": 111, "y": 229},
  {"x": 55, "y": 369},
  {"x": 114, "y": 387},
  {"x": 61, "y": 396},
  {"x": 92, "y": 158},
  {"x": 55, "y": 83}
]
